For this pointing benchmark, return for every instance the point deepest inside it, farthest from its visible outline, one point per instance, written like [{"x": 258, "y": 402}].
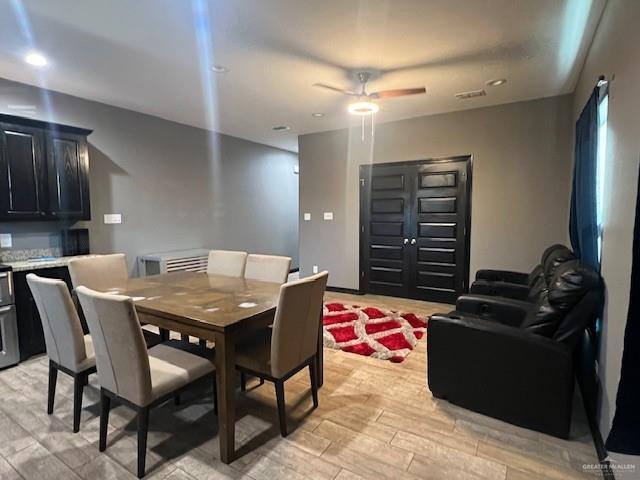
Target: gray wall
[
  {"x": 614, "y": 52},
  {"x": 521, "y": 180},
  {"x": 176, "y": 186}
]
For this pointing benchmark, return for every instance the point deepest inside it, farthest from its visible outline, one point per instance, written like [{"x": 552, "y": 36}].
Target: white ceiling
[{"x": 154, "y": 56}]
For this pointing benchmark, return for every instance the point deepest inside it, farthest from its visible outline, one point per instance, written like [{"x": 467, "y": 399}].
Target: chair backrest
[
  {"x": 554, "y": 260},
  {"x": 226, "y": 262},
  {"x": 63, "y": 334},
  {"x": 571, "y": 303},
  {"x": 99, "y": 272},
  {"x": 297, "y": 323},
  {"x": 121, "y": 354},
  {"x": 267, "y": 268}
]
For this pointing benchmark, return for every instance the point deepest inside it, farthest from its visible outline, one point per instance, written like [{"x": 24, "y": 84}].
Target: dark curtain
[
  {"x": 583, "y": 230},
  {"x": 583, "y": 222},
  {"x": 625, "y": 431}
]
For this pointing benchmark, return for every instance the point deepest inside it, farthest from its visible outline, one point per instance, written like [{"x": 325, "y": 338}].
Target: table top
[{"x": 214, "y": 302}]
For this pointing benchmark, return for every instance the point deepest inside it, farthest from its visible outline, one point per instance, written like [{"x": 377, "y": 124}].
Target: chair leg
[
  {"x": 243, "y": 382},
  {"x": 143, "y": 428},
  {"x": 78, "y": 387},
  {"x": 313, "y": 376},
  {"x": 279, "y": 384},
  {"x": 164, "y": 334},
  {"x": 184, "y": 337},
  {"x": 202, "y": 343},
  {"x": 53, "y": 378},
  {"x": 105, "y": 406}
]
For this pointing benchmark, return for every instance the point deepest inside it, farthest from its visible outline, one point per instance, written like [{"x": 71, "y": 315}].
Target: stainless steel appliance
[{"x": 9, "y": 348}]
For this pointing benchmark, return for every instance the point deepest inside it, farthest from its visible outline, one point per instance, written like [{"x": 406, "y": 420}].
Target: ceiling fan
[{"x": 366, "y": 106}]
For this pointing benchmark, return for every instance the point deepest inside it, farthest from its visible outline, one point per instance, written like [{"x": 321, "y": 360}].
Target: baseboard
[{"x": 351, "y": 291}]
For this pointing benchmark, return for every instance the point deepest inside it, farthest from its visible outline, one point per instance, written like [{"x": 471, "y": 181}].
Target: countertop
[{"x": 25, "y": 265}]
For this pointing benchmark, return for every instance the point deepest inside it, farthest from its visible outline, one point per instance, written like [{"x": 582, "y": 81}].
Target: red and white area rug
[{"x": 373, "y": 332}]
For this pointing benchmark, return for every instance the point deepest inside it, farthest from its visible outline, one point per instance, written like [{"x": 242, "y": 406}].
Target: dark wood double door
[{"x": 414, "y": 229}]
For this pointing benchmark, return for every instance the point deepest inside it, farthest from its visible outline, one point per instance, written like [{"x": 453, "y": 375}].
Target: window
[{"x": 603, "y": 112}]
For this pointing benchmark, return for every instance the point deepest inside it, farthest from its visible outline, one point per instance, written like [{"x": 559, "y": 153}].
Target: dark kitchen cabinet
[
  {"x": 30, "y": 334},
  {"x": 44, "y": 170},
  {"x": 22, "y": 170},
  {"x": 68, "y": 174}
]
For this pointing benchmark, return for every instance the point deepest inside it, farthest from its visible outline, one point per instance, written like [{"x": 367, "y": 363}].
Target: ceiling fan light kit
[{"x": 363, "y": 108}]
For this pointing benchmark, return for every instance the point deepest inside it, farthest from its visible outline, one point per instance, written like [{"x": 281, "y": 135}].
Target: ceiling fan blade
[
  {"x": 398, "y": 92},
  {"x": 335, "y": 89}
]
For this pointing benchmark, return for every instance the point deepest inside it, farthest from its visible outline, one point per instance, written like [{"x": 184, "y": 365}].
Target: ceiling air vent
[{"x": 471, "y": 94}]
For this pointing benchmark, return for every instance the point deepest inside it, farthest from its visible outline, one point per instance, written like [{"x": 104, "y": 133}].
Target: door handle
[
  {"x": 413, "y": 241},
  {"x": 405, "y": 241}
]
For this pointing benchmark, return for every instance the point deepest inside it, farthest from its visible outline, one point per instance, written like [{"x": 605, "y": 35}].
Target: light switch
[
  {"x": 5, "y": 240},
  {"x": 307, "y": 217},
  {"x": 315, "y": 269},
  {"x": 296, "y": 169},
  {"x": 328, "y": 215},
  {"x": 112, "y": 218}
]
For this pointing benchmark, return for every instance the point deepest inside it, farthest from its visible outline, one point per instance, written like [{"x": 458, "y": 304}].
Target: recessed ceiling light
[
  {"x": 317, "y": 114},
  {"x": 36, "y": 59},
  {"x": 220, "y": 69},
  {"x": 497, "y": 82},
  {"x": 281, "y": 128}
]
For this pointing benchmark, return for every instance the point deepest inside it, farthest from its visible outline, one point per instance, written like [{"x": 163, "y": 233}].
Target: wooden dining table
[{"x": 210, "y": 307}]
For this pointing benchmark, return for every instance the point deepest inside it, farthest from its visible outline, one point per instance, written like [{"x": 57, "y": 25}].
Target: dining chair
[
  {"x": 226, "y": 262},
  {"x": 292, "y": 344},
  {"x": 129, "y": 373},
  {"x": 105, "y": 272},
  {"x": 99, "y": 272},
  {"x": 267, "y": 268},
  {"x": 68, "y": 349}
]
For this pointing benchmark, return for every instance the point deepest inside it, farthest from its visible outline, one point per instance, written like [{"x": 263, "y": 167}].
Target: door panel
[
  {"x": 385, "y": 223},
  {"x": 68, "y": 176},
  {"x": 414, "y": 229},
  {"x": 21, "y": 172},
  {"x": 440, "y": 260}
]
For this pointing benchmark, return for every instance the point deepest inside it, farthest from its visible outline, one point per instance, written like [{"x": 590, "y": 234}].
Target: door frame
[{"x": 364, "y": 180}]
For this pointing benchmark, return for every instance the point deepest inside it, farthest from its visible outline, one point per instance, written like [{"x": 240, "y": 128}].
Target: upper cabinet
[{"x": 44, "y": 171}]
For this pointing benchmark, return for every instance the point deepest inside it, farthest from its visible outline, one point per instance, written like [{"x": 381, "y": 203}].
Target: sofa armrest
[
  {"x": 499, "y": 309},
  {"x": 503, "y": 276},
  {"x": 515, "y": 291},
  {"x": 501, "y": 371}
]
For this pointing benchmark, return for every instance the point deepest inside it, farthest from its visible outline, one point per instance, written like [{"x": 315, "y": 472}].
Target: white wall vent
[{"x": 194, "y": 260}]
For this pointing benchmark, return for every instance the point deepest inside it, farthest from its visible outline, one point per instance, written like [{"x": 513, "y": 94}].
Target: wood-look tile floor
[{"x": 376, "y": 420}]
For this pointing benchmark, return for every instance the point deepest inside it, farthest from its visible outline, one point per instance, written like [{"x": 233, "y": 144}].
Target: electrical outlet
[
  {"x": 112, "y": 218},
  {"x": 307, "y": 217},
  {"x": 315, "y": 269},
  {"x": 328, "y": 215},
  {"x": 5, "y": 240}
]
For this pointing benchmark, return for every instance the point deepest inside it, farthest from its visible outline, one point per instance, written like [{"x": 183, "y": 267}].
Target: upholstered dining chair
[
  {"x": 267, "y": 268},
  {"x": 127, "y": 371},
  {"x": 101, "y": 273},
  {"x": 292, "y": 344},
  {"x": 68, "y": 349},
  {"x": 226, "y": 262}
]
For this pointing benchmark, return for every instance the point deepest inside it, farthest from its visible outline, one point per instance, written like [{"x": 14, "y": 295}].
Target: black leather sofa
[
  {"x": 537, "y": 280},
  {"x": 516, "y": 364}
]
